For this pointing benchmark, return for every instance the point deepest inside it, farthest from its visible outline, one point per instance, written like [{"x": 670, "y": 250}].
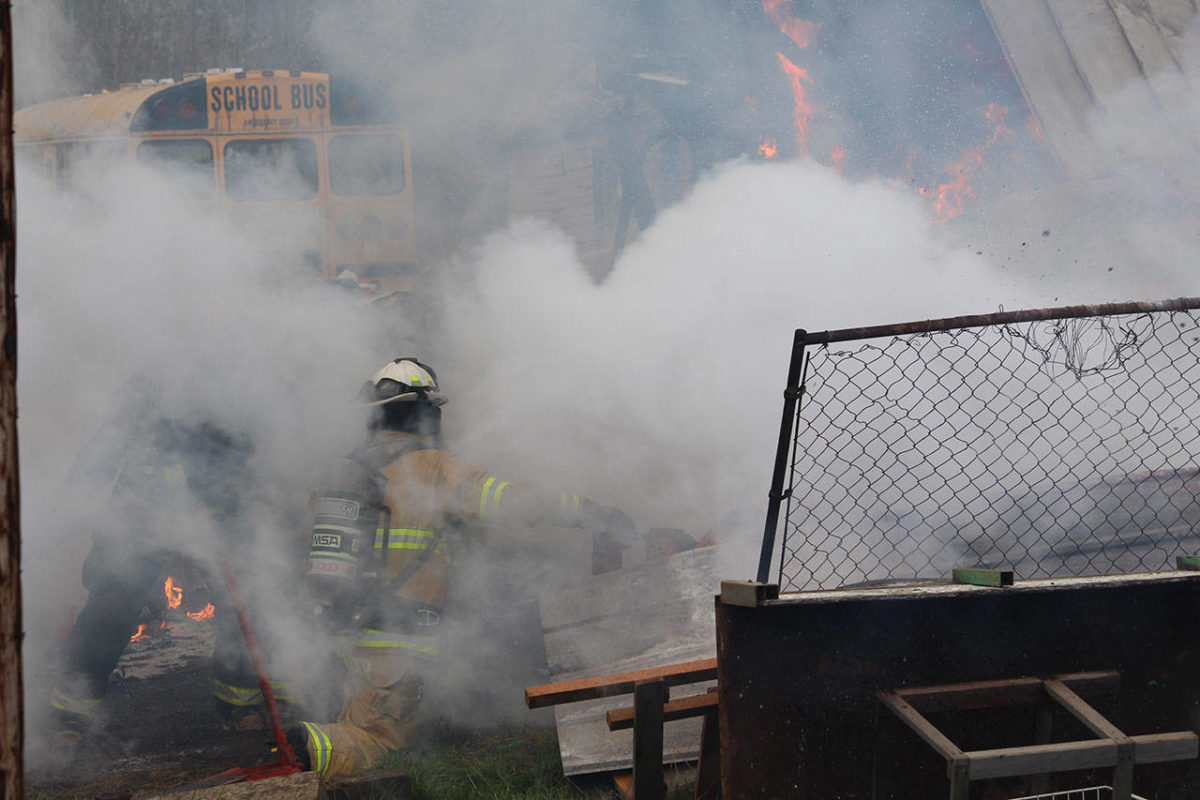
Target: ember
[{"x": 768, "y": 149}]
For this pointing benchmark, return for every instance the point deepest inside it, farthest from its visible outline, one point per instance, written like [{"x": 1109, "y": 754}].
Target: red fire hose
[{"x": 288, "y": 762}]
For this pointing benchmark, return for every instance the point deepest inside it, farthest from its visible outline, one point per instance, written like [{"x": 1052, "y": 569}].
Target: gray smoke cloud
[{"x": 657, "y": 388}]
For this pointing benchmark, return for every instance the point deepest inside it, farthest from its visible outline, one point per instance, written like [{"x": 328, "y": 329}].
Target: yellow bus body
[{"x": 352, "y": 166}]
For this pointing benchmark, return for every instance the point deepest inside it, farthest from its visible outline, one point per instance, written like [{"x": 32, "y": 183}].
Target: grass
[{"x": 519, "y": 764}]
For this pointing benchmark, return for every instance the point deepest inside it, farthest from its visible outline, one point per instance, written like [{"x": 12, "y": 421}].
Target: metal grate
[
  {"x": 1090, "y": 793},
  {"x": 1053, "y": 442}
]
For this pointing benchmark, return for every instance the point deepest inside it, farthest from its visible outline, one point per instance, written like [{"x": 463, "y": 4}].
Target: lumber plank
[
  {"x": 550, "y": 694},
  {"x": 1007, "y": 762},
  {"x": 696, "y": 705},
  {"x": 922, "y": 727},
  {"x": 989, "y": 694}
]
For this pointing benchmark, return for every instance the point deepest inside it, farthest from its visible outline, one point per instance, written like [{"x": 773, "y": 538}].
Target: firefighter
[
  {"x": 166, "y": 482},
  {"x": 386, "y": 521}
]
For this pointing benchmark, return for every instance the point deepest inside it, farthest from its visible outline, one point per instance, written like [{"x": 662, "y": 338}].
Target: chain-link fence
[{"x": 1054, "y": 442}]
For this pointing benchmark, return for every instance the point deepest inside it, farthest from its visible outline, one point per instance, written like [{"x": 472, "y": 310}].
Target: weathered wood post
[{"x": 12, "y": 716}]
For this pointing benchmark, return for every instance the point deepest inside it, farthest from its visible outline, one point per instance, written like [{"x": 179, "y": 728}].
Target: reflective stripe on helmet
[
  {"x": 83, "y": 706},
  {"x": 321, "y": 744},
  {"x": 426, "y": 646}
]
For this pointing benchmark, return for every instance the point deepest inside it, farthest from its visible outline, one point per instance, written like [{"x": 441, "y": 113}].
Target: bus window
[
  {"x": 366, "y": 165},
  {"x": 79, "y": 163},
  {"x": 270, "y": 169},
  {"x": 191, "y": 158}
]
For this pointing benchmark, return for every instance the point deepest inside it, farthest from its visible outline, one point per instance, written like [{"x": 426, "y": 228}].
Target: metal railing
[{"x": 1059, "y": 441}]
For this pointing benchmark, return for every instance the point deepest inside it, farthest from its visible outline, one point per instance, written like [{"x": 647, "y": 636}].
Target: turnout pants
[{"x": 381, "y": 714}]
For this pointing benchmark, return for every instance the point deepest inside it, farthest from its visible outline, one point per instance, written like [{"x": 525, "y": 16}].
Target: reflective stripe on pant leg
[
  {"x": 320, "y": 748},
  {"x": 236, "y": 695},
  {"x": 83, "y": 706}
]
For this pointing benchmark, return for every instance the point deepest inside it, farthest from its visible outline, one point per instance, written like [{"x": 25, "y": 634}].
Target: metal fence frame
[{"x": 798, "y": 366}]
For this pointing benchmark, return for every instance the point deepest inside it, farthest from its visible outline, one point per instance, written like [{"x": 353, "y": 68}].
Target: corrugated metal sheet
[{"x": 1083, "y": 63}]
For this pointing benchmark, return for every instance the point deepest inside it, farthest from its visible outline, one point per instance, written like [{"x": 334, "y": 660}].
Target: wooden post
[
  {"x": 12, "y": 715},
  {"x": 648, "y": 700}
]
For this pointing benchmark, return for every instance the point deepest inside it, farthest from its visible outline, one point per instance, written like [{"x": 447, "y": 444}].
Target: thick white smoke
[
  {"x": 657, "y": 390},
  {"x": 661, "y": 388}
]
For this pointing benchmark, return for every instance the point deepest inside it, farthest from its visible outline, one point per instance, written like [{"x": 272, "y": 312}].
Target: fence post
[
  {"x": 791, "y": 396},
  {"x": 12, "y": 715}
]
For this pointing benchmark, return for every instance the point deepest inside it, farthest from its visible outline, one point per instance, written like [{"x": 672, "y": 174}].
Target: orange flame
[
  {"x": 1032, "y": 124},
  {"x": 768, "y": 149},
  {"x": 949, "y": 199},
  {"x": 837, "y": 155},
  {"x": 141, "y": 634},
  {"x": 174, "y": 593},
  {"x": 208, "y": 613},
  {"x": 801, "y": 110},
  {"x": 800, "y": 31}
]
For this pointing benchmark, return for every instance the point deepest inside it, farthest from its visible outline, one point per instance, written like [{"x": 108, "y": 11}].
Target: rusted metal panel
[{"x": 799, "y": 676}]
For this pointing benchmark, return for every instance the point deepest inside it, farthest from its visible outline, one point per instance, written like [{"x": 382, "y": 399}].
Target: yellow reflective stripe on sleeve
[
  {"x": 496, "y": 497},
  {"x": 83, "y": 706},
  {"x": 483, "y": 495},
  {"x": 568, "y": 505},
  {"x": 321, "y": 744}
]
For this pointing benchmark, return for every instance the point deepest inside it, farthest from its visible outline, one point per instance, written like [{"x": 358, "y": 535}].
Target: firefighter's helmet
[{"x": 402, "y": 380}]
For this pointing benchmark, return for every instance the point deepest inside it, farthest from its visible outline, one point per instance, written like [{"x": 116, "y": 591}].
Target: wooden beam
[
  {"x": 620, "y": 719},
  {"x": 1156, "y": 748},
  {"x": 1152, "y": 748},
  {"x": 552, "y": 694},
  {"x": 12, "y": 716},
  {"x": 1098, "y": 724},
  {"x": 921, "y": 726},
  {"x": 983, "y": 577},
  {"x": 708, "y": 771},
  {"x": 648, "y": 700},
  {"x": 989, "y": 694},
  {"x": 1007, "y": 762},
  {"x": 750, "y": 594}
]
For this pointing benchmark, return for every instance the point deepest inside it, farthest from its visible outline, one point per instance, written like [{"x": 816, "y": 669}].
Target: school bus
[{"x": 308, "y": 161}]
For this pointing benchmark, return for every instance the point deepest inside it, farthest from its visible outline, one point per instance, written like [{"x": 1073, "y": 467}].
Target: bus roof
[{"x": 116, "y": 113}]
